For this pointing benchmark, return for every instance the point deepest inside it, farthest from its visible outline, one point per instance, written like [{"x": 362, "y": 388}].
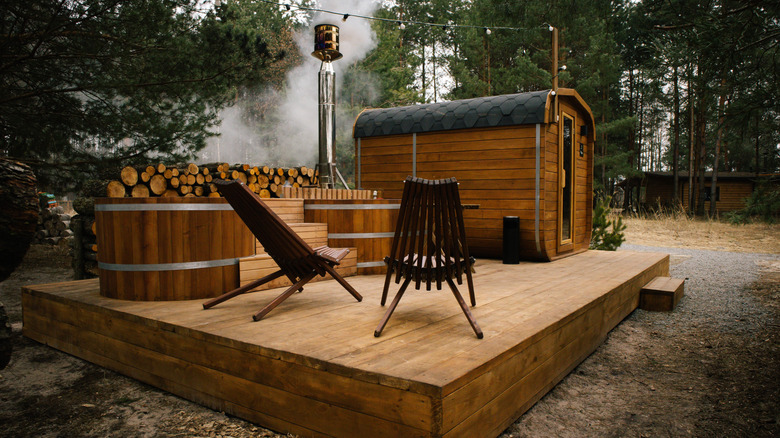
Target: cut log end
[{"x": 116, "y": 189}]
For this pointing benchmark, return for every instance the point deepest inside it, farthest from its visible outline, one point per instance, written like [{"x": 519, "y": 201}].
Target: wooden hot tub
[
  {"x": 365, "y": 224},
  {"x": 155, "y": 249}
]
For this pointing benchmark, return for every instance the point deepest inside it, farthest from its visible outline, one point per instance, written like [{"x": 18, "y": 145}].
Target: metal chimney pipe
[
  {"x": 327, "y": 118},
  {"x": 326, "y": 49}
]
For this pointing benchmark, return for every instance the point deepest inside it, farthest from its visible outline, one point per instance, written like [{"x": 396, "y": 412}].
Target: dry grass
[{"x": 680, "y": 231}]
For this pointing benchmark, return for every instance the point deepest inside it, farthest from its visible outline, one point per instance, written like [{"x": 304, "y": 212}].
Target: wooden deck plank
[
  {"x": 180, "y": 352},
  {"x": 426, "y": 375}
]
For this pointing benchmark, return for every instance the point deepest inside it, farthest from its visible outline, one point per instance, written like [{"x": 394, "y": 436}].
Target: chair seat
[
  {"x": 333, "y": 255},
  {"x": 438, "y": 269}
]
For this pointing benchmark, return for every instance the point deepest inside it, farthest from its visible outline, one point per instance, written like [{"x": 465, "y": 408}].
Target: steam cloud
[{"x": 294, "y": 138}]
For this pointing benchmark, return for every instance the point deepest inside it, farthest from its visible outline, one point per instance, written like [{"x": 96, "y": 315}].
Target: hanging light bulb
[
  {"x": 488, "y": 31},
  {"x": 551, "y": 28},
  {"x": 401, "y": 25},
  {"x": 345, "y": 17}
]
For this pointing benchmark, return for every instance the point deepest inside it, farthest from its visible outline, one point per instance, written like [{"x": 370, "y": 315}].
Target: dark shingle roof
[{"x": 482, "y": 112}]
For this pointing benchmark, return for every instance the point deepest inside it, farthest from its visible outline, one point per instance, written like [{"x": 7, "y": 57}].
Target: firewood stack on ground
[
  {"x": 193, "y": 180},
  {"x": 84, "y": 252},
  {"x": 54, "y": 227}
]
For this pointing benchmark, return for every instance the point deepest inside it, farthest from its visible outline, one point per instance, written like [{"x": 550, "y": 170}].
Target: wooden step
[
  {"x": 661, "y": 294},
  {"x": 258, "y": 266},
  {"x": 315, "y": 234},
  {"x": 289, "y": 210}
]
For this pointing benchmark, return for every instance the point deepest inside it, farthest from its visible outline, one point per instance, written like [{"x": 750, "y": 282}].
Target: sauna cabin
[{"x": 528, "y": 155}]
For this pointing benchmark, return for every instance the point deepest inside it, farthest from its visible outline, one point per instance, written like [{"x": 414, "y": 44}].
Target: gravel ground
[
  {"x": 709, "y": 368},
  {"x": 715, "y": 287}
]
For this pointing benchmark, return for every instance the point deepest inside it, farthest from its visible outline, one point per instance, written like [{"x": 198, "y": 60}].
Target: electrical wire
[{"x": 402, "y": 23}]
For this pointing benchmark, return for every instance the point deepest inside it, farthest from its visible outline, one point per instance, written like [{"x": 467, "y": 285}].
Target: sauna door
[{"x": 566, "y": 183}]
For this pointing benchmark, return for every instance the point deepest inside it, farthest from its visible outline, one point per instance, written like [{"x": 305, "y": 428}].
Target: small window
[{"x": 708, "y": 194}]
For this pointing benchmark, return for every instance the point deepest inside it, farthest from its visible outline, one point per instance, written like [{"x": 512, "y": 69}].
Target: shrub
[
  {"x": 763, "y": 203},
  {"x": 603, "y": 237}
]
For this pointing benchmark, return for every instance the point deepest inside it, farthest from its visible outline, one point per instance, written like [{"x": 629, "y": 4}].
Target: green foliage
[
  {"x": 607, "y": 234},
  {"x": 763, "y": 204},
  {"x": 87, "y": 82}
]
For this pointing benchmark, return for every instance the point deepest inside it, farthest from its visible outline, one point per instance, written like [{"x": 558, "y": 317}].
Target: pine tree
[{"x": 95, "y": 81}]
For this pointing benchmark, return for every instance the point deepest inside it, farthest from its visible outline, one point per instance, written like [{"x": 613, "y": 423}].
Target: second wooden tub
[{"x": 365, "y": 224}]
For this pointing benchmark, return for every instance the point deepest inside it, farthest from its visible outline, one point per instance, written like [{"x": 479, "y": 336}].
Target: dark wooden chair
[
  {"x": 295, "y": 258},
  {"x": 429, "y": 245}
]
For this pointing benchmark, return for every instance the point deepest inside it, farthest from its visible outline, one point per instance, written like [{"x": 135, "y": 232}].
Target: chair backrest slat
[
  {"x": 407, "y": 206},
  {"x": 440, "y": 231}
]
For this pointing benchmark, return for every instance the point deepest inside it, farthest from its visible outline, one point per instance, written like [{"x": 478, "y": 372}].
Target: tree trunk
[
  {"x": 605, "y": 99},
  {"x": 758, "y": 168},
  {"x": 676, "y": 142},
  {"x": 700, "y": 128},
  {"x": 18, "y": 196},
  {"x": 691, "y": 201},
  {"x": 640, "y": 131},
  {"x": 721, "y": 108},
  {"x": 631, "y": 138}
]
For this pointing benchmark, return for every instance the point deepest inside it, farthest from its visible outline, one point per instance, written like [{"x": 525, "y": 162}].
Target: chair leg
[
  {"x": 392, "y": 307},
  {"x": 388, "y": 277},
  {"x": 336, "y": 276},
  {"x": 243, "y": 289},
  {"x": 465, "y": 309},
  {"x": 470, "y": 282},
  {"x": 286, "y": 294}
]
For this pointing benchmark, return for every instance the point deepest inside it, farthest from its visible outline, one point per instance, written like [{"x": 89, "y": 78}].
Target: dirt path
[{"x": 708, "y": 369}]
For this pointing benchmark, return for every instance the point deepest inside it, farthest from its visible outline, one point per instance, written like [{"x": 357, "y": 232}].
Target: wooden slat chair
[
  {"x": 295, "y": 258},
  {"x": 429, "y": 245}
]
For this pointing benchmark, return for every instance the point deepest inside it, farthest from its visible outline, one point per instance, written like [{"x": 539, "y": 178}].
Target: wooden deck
[{"x": 314, "y": 368}]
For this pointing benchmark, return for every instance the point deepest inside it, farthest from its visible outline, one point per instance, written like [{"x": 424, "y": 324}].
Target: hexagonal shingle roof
[{"x": 482, "y": 112}]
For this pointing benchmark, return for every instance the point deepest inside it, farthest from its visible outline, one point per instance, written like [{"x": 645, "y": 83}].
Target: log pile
[
  {"x": 193, "y": 180},
  {"x": 20, "y": 210},
  {"x": 84, "y": 245},
  {"x": 54, "y": 227}
]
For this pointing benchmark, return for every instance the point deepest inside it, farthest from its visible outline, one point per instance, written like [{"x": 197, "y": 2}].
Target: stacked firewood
[
  {"x": 193, "y": 180},
  {"x": 54, "y": 227},
  {"x": 85, "y": 240}
]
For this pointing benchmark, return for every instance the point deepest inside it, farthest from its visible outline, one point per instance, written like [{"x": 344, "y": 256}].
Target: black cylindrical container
[{"x": 511, "y": 240}]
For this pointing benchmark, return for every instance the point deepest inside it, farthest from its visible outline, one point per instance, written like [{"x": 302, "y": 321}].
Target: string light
[{"x": 401, "y": 23}]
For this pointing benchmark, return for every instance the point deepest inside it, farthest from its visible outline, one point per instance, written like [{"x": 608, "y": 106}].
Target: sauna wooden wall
[{"x": 496, "y": 170}]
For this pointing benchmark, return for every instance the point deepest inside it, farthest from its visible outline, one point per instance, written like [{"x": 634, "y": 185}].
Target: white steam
[{"x": 294, "y": 140}]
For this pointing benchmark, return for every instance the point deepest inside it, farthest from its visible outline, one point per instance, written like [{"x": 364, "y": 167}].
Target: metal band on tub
[
  {"x": 351, "y": 206},
  {"x": 155, "y": 267},
  {"x": 163, "y": 207}
]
